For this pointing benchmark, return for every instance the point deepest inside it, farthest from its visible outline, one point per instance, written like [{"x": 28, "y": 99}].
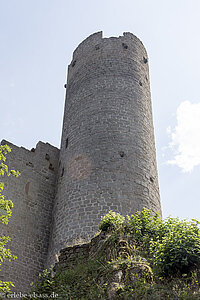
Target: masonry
[
  {"x": 107, "y": 159},
  {"x": 33, "y": 196}
]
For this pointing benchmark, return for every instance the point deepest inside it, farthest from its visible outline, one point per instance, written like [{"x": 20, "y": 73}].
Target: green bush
[
  {"x": 178, "y": 251},
  {"x": 172, "y": 245},
  {"x": 143, "y": 227},
  {"x": 46, "y": 283},
  {"x": 111, "y": 221}
]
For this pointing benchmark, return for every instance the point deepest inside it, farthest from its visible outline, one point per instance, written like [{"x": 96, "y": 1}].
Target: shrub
[
  {"x": 111, "y": 221},
  {"x": 172, "y": 246},
  {"x": 143, "y": 227},
  {"x": 46, "y": 282},
  {"x": 178, "y": 251}
]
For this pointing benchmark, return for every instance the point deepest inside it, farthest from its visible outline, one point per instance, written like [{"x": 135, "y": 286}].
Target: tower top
[
  {"x": 95, "y": 47},
  {"x": 97, "y": 38}
]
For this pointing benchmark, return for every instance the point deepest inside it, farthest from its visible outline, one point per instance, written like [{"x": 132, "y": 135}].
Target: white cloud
[{"x": 185, "y": 137}]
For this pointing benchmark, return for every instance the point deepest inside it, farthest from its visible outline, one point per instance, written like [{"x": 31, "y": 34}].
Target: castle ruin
[{"x": 107, "y": 159}]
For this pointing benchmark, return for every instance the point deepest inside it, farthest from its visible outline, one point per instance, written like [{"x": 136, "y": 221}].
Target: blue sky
[{"x": 37, "y": 39}]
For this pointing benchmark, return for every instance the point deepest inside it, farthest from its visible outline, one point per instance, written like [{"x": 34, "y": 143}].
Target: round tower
[{"x": 107, "y": 158}]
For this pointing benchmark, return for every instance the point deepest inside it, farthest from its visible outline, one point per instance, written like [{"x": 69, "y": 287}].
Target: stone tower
[{"x": 107, "y": 157}]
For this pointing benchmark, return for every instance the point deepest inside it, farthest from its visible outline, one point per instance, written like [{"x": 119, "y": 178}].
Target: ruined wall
[
  {"x": 33, "y": 195},
  {"x": 69, "y": 256},
  {"x": 107, "y": 158}
]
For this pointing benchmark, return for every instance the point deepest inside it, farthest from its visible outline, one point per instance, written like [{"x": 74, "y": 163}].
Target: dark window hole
[
  {"x": 47, "y": 157},
  {"x": 124, "y": 46},
  {"x": 140, "y": 83},
  {"x": 51, "y": 167},
  {"x": 62, "y": 173},
  {"x": 73, "y": 63},
  {"x": 151, "y": 179},
  {"x": 33, "y": 150},
  {"x": 145, "y": 60},
  {"x": 121, "y": 153},
  {"x": 66, "y": 143}
]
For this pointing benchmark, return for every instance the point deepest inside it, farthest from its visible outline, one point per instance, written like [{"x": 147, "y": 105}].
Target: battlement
[
  {"x": 95, "y": 47},
  {"x": 39, "y": 146},
  {"x": 95, "y": 39}
]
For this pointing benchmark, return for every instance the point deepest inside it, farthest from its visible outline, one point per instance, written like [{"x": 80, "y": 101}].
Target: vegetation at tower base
[
  {"x": 137, "y": 257},
  {"x": 5, "y": 214}
]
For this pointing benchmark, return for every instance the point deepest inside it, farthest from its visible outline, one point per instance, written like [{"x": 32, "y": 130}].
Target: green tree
[{"x": 5, "y": 214}]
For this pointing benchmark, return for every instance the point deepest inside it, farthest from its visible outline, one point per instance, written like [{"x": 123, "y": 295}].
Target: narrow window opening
[
  {"x": 47, "y": 157},
  {"x": 121, "y": 153},
  {"x": 73, "y": 63},
  {"x": 145, "y": 60},
  {"x": 66, "y": 143},
  {"x": 151, "y": 179},
  {"x": 62, "y": 173},
  {"x": 51, "y": 167}
]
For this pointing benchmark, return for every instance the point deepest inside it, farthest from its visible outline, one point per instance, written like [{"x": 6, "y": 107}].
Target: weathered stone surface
[
  {"x": 33, "y": 197},
  {"x": 107, "y": 159},
  {"x": 109, "y": 162},
  {"x": 71, "y": 254},
  {"x": 122, "y": 272}
]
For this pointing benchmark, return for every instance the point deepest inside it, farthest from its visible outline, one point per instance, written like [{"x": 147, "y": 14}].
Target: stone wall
[
  {"x": 33, "y": 196},
  {"x": 69, "y": 256},
  {"x": 107, "y": 158}
]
